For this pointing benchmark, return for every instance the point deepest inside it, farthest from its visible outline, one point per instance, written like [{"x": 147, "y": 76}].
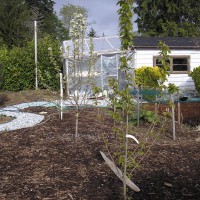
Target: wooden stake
[
  {"x": 179, "y": 113},
  {"x": 119, "y": 173}
]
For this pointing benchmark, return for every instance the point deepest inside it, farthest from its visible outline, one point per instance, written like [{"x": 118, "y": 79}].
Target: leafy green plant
[
  {"x": 195, "y": 74},
  {"x": 146, "y": 116},
  {"x": 172, "y": 88}
]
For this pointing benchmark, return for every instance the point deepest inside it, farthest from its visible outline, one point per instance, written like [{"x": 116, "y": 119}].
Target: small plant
[
  {"x": 146, "y": 116},
  {"x": 195, "y": 74},
  {"x": 80, "y": 82},
  {"x": 172, "y": 89},
  {"x": 96, "y": 91}
]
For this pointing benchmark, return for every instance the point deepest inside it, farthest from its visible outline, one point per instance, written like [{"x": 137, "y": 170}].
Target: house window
[{"x": 178, "y": 64}]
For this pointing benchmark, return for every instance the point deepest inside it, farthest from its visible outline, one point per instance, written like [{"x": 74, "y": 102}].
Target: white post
[
  {"x": 67, "y": 76},
  {"x": 61, "y": 96},
  {"x": 102, "y": 73},
  {"x": 36, "y": 61},
  {"x": 179, "y": 113},
  {"x": 117, "y": 65},
  {"x": 173, "y": 118},
  {"x": 138, "y": 107}
]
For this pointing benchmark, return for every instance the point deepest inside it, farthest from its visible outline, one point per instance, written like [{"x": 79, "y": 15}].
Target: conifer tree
[
  {"x": 14, "y": 15},
  {"x": 175, "y": 18},
  {"x": 92, "y": 33}
]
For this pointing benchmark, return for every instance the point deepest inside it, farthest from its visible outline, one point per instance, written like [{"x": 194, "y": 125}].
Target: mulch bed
[{"x": 46, "y": 162}]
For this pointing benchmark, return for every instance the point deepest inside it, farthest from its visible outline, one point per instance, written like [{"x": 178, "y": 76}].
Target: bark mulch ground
[{"x": 46, "y": 162}]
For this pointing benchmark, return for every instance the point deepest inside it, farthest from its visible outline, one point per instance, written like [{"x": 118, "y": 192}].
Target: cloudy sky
[{"x": 102, "y": 12}]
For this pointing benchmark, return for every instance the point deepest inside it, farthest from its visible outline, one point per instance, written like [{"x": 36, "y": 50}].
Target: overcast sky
[{"x": 102, "y": 12}]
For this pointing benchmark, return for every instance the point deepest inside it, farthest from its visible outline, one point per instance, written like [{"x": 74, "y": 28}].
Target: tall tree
[
  {"x": 174, "y": 18},
  {"x": 67, "y": 13},
  {"x": 16, "y": 21},
  {"x": 14, "y": 15},
  {"x": 42, "y": 11}
]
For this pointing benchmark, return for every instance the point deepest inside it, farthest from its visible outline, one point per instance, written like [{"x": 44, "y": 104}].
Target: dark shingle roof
[{"x": 172, "y": 42}]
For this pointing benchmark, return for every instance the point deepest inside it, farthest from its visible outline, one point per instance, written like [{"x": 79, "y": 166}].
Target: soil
[
  {"x": 47, "y": 162},
  {"x": 5, "y": 119}
]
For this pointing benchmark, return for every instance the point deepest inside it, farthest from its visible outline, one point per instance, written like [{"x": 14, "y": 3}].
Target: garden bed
[{"x": 45, "y": 161}]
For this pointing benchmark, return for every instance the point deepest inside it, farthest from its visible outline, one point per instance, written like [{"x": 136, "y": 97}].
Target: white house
[{"x": 185, "y": 56}]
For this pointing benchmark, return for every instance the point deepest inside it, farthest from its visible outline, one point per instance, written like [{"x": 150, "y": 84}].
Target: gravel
[
  {"x": 22, "y": 119},
  {"x": 25, "y": 120}
]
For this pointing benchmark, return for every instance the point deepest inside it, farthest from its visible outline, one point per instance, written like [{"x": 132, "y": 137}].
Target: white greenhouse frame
[{"x": 108, "y": 51}]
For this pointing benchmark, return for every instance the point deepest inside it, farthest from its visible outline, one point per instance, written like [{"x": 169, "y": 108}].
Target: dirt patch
[
  {"x": 46, "y": 162},
  {"x": 4, "y": 119},
  {"x": 189, "y": 112},
  {"x": 12, "y": 98}
]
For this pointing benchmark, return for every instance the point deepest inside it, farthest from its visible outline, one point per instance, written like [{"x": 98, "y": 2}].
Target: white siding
[{"x": 145, "y": 58}]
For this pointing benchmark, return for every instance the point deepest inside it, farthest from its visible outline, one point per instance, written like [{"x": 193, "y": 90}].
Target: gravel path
[{"x": 22, "y": 119}]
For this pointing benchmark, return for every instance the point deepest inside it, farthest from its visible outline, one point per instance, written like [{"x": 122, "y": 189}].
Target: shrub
[
  {"x": 195, "y": 74},
  {"x": 48, "y": 73},
  {"x": 19, "y": 69},
  {"x": 3, "y": 56},
  {"x": 1, "y": 76},
  {"x": 149, "y": 76},
  {"x": 19, "y": 66}
]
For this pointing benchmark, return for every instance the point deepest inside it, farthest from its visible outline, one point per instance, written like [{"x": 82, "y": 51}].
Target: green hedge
[{"x": 18, "y": 66}]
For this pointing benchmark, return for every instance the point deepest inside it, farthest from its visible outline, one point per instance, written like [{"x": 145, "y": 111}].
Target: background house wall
[{"x": 144, "y": 57}]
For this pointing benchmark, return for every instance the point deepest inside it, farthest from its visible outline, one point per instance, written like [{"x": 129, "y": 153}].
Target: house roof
[
  {"x": 172, "y": 42},
  {"x": 112, "y": 44}
]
